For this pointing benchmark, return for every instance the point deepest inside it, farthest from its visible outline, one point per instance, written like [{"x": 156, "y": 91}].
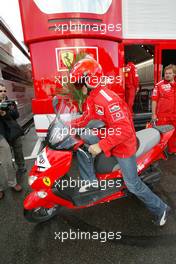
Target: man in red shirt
[
  {"x": 164, "y": 103},
  {"x": 131, "y": 84},
  {"x": 103, "y": 104}
]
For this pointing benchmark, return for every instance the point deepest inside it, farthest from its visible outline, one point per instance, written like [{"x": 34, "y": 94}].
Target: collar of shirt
[
  {"x": 171, "y": 83},
  {"x": 96, "y": 90}
]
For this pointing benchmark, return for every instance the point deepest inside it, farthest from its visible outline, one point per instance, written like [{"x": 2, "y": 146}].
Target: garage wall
[{"x": 149, "y": 19}]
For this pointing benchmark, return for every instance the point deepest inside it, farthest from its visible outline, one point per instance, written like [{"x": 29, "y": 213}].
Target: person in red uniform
[
  {"x": 131, "y": 84},
  {"x": 103, "y": 104},
  {"x": 164, "y": 103}
]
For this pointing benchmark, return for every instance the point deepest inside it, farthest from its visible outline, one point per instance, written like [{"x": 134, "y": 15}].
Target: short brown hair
[
  {"x": 1, "y": 84},
  {"x": 170, "y": 66}
]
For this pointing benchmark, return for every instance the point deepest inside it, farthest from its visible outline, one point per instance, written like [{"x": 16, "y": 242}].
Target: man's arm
[
  {"x": 136, "y": 80},
  {"x": 155, "y": 97},
  {"x": 154, "y": 106},
  {"x": 120, "y": 128}
]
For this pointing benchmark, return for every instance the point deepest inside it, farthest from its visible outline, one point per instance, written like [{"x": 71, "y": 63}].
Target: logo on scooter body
[{"x": 47, "y": 181}]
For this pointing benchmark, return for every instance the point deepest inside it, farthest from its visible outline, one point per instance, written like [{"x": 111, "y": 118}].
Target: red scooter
[{"x": 53, "y": 180}]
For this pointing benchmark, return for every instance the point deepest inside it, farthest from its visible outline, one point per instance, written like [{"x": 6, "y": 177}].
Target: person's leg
[
  {"x": 132, "y": 95},
  {"x": 86, "y": 166},
  {"x": 139, "y": 188},
  {"x": 3, "y": 176},
  {"x": 129, "y": 97},
  {"x": 7, "y": 172},
  {"x": 172, "y": 140},
  {"x": 18, "y": 154}
]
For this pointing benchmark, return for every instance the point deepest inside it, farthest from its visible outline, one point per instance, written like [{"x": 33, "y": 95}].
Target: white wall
[{"x": 149, "y": 19}]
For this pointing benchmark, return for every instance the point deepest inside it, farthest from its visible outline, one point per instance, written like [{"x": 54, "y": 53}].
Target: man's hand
[
  {"x": 2, "y": 113},
  {"x": 154, "y": 117},
  {"x": 95, "y": 149},
  {"x": 137, "y": 90}
]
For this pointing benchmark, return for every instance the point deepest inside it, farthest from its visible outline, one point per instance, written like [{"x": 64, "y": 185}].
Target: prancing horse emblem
[{"x": 67, "y": 58}]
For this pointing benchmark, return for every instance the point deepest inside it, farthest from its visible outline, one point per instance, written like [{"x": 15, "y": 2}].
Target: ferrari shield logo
[
  {"x": 47, "y": 181},
  {"x": 67, "y": 58},
  {"x": 99, "y": 109}
]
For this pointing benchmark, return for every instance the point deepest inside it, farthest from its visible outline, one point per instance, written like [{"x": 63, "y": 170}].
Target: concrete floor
[{"x": 142, "y": 243}]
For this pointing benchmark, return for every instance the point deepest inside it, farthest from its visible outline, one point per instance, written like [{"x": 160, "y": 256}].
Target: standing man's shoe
[
  {"x": 161, "y": 220},
  {"x": 17, "y": 188},
  {"x": 1, "y": 195}
]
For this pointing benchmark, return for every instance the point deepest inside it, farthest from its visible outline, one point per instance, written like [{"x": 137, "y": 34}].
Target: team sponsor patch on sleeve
[
  {"x": 99, "y": 109},
  {"x": 117, "y": 116},
  {"x": 114, "y": 108},
  {"x": 166, "y": 87}
]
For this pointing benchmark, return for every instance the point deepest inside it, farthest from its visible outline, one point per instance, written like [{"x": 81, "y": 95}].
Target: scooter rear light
[
  {"x": 32, "y": 179},
  {"x": 42, "y": 194}
]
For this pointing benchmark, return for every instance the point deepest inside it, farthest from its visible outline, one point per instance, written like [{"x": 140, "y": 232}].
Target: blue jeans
[
  {"x": 133, "y": 182},
  {"x": 86, "y": 166},
  {"x": 136, "y": 186}
]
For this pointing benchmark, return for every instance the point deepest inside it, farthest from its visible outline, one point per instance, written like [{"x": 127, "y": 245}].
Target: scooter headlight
[
  {"x": 42, "y": 194},
  {"x": 32, "y": 179}
]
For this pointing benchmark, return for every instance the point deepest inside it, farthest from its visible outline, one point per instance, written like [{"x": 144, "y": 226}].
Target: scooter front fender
[{"x": 33, "y": 201}]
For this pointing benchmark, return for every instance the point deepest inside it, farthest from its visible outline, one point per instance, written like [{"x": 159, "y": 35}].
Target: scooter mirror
[{"x": 95, "y": 124}]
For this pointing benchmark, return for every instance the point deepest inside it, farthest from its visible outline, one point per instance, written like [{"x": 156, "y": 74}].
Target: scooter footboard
[{"x": 152, "y": 175}]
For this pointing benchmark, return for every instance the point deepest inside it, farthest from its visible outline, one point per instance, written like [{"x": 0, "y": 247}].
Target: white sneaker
[{"x": 161, "y": 220}]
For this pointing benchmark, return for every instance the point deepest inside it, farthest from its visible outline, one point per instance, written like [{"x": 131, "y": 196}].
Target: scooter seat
[{"x": 147, "y": 138}]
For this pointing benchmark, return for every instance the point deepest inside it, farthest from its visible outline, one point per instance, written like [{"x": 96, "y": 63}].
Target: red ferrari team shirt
[
  {"x": 103, "y": 104},
  {"x": 164, "y": 93},
  {"x": 131, "y": 77}
]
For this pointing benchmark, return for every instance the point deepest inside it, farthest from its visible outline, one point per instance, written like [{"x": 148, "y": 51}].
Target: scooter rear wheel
[{"x": 41, "y": 214}]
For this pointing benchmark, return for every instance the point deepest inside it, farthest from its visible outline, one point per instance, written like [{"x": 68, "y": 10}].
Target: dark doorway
[{"x": 142, "y": 56}]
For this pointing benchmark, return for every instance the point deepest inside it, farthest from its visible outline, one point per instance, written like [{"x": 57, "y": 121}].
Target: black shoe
[{"x": 161, "y": 220}]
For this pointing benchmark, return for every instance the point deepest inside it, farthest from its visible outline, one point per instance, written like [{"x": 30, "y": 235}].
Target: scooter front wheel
[{"x": 40, "y": 214}]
